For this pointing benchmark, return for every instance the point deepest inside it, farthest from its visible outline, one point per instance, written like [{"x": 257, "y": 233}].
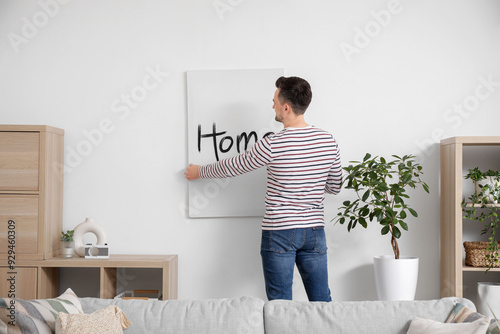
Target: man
[{"x": 303, "y": 162}]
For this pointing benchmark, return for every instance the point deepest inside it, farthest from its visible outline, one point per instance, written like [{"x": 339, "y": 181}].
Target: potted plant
[
  {"x": 486, "y": 184},
  {"x": 67, "y": 243},
  {"x": 380, "y": 186},
  {"x": 483, "y": 207}
]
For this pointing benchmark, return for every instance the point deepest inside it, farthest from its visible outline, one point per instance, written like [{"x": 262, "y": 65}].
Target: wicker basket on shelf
[{"x": 475, "y": 254}]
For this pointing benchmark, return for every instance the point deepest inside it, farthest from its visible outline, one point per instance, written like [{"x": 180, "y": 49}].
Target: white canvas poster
[{"x": 228, "y": 111}]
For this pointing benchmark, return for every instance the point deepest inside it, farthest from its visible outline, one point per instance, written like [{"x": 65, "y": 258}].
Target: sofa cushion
[
  {"x": 462, "y": 313},
  {"x": 374, "y": 317},
  {"x": 426, "y": 326},
  {"x": 37, "y": 315},
  {"x": 110, "y": 320},
  {"x": 238, "y": 315}
]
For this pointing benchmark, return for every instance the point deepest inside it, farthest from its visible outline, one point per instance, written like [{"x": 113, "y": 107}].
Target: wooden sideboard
[
  {"x": 47, "y": 282},
  {"x": 31, "y": 195}
]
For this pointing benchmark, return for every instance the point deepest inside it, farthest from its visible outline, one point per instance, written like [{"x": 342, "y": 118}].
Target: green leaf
[
  {"x": 398, "y": 199},
  {"x": 402, "y": 215},
  {"x": 406, "y": 177},
  {"x": 364, "y": 211},
  {"x": 390, "y": 212},
  {"x": 380, "y": 215},
  {"x": 367, "y": 156},
  {"x": 385, "y": 230},
  {"x": 363, "y": 223},
  {"x": 382, "y": 187},
  {"x": 396, "y": 232},
  {"x": 413, "y": 212},
  {"x": 403, "y": 225},
  {"x": 385, "y": 221},
  {"x": 346, "y": 203},
  {"x": 366, "y": 195}
]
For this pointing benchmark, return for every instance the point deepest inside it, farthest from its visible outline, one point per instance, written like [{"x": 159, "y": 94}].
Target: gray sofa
[{"x": 252, "y": 315}]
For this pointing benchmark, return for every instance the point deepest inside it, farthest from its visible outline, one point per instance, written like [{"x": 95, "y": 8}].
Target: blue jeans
[{"x": 306, "y": 247}]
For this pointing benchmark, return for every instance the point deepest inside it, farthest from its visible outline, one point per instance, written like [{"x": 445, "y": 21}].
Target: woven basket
[{"x": 475, "y": 254}]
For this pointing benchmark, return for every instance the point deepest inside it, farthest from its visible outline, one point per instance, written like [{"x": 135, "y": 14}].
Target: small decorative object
[
  {"x": 485, "y": 198},
  {"x": 96, "y": 251},
  {"x": 88, "y": 226},
  {"x": 488, "y": 298},
  {"x": 387, "y": 203},
  {"x": 67, "y": 244}
]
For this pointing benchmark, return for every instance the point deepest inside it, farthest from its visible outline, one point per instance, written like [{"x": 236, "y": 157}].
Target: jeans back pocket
[{"x": 280, "y": 241}]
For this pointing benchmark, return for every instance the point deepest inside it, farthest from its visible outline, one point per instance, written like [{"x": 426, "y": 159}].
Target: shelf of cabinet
[
  {"x": 452, "y": 267},
  {"x": 472, "y": 141},
  {"x": 480, "y": 269},
  {"x": 48, "y": 277},
  {"x": 469, "y": 205}
]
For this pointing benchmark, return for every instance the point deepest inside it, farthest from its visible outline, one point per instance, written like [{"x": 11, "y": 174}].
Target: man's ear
[{"x": 287, "y": 108}]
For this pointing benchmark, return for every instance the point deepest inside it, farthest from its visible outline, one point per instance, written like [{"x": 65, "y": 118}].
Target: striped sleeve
[
  {"x": 258, "y": 156},
  {"x": 334, "y": 180}
]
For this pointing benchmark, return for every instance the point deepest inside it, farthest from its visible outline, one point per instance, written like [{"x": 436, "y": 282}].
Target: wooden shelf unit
[
  {"x": 452, "y": 262},
  {"x": 48, "y": 276},
  {"x": 31, "y": 195},
  {"x": 31, "y": 189}
]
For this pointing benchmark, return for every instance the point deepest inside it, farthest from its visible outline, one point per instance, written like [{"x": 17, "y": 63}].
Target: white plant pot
[
  {"x": 490, "y": 195},
  {"x": 396, "y": 279},
  {"x": 67, "y": 249},
  {"x": 488, "y": 294}
]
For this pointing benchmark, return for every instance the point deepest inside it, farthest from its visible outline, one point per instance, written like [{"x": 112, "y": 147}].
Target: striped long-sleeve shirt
[{"x": 302, "y": 164}]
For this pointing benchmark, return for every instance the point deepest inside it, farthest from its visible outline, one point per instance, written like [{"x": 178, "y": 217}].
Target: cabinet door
[
  {"x": 23, "y": 210},
  {"x": 19, "y": 159},
  {"x": 21, "y": 282}
]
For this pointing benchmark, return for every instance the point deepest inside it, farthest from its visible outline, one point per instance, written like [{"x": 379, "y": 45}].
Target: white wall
[{"x": 394, "y": 96}]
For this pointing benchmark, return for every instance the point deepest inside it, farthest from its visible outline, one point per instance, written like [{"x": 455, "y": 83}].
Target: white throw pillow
[{"x": 426, "y": 326}]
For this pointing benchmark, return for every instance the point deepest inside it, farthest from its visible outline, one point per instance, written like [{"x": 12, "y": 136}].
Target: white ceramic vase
[
  {"x": 88, "y": 226},
  {"x": 488, "y": 296},
  {"x": 396, "y": 279}
]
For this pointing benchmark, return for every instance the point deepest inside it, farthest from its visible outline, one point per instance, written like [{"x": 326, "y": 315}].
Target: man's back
[{"x": 303, "y": 163}]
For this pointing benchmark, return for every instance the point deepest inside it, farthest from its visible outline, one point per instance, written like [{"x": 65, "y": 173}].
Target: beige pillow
[
  {"x": 110, "y": 320},
  {"x": 462, "y": 313},
  {"x": 427, "y": 326}
]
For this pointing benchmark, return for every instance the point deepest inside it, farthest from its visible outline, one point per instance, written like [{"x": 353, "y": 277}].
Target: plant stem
[
  {"x": 395, "y": 247},
  {"x": 394, "y": 241}
]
